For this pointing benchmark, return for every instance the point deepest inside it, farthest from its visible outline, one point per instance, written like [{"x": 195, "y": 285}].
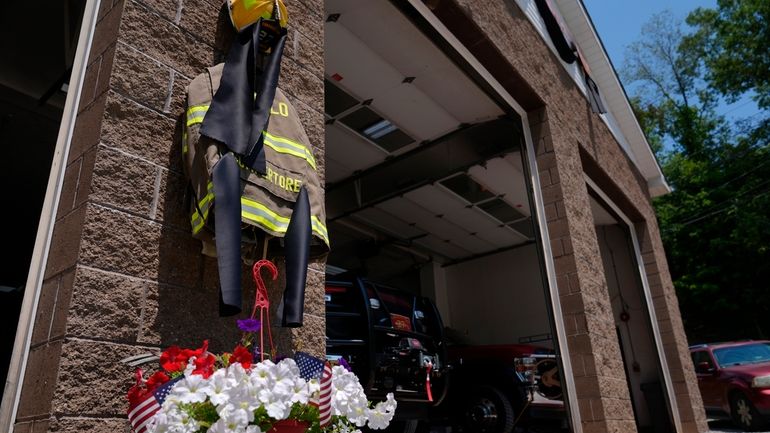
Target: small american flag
[
  {"x": 325, "y": 398},
  {"x": 310, "y": 367},
  {"x": 140, "y": 414}
]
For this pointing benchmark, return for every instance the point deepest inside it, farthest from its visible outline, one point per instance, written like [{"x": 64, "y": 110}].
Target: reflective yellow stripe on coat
[
  {"x": 284, "y": 145},
  {"x": 197, "y": 220},
  {"x": 196, "y": 113},
  {"x": 257, "y": 213}
]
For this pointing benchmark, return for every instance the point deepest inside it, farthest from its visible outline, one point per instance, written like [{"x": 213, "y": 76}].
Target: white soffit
[{"x": 620, "y": 118}]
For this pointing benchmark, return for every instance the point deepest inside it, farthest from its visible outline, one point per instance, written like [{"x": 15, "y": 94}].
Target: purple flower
[
  {"x": 345, "y": 364},
  {"x": 249, "y": 325}
]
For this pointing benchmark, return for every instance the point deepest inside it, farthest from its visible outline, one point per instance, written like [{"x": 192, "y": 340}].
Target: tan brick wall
[
  {"x": 124, "y": 275},
  {"x": 562, "y": 130}
]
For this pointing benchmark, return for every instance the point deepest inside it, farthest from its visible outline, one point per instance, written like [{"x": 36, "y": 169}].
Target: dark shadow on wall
[{"x": 187, "y": 298}]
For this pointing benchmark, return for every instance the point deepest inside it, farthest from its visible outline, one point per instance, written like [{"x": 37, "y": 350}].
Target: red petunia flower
[
  {"x": 204, "y": 365},
  {"x": 156, "y": 380},
  {"x": 170, "y": 360},
  {"x": 242, "y": 355},
  {"x": 174, "y": 359},
  {"x": 136, "y": 394}
]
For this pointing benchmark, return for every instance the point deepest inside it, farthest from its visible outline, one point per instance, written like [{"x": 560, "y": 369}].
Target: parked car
[
  {"x": 734, "y": 381},
  {"x": 394, "y": 341}
]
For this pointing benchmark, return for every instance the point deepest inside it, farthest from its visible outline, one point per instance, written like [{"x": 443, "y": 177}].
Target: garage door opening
[
  {"x": 436, "y": 262},
  {"x": 34, "y": 77},
  {"x": 644, "y": 375}
]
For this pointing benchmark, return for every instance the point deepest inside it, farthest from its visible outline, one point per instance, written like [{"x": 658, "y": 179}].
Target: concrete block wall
[
  {"x": 124, "y": 276},
  {"x": 570, "y": 141}
]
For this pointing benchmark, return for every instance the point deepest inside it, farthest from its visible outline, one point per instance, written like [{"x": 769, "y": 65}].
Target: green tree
[
  {"x": 715, "y": 222},
  {"x": 732, "y": 41}
]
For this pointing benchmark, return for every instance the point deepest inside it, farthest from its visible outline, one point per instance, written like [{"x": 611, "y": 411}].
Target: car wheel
[
  {"x": 744, "y": 414},
  {"x": 488, "y": 410}
]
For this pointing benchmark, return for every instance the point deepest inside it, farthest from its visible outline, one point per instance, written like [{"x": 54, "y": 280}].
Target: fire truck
[{"x": 395, "y": 341}]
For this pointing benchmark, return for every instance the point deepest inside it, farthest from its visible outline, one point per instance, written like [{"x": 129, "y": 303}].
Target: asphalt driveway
[{"x": 721, "y": 426}]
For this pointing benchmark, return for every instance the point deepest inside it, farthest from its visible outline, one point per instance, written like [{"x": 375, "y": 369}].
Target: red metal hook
[{"x": 262, "y": 302}]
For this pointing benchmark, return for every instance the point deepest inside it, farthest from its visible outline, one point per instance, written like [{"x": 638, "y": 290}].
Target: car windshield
[{"x": 743, "y": 354}]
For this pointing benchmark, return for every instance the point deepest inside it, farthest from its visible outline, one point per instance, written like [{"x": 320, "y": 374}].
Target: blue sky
[{"x": 619, "y": 23}]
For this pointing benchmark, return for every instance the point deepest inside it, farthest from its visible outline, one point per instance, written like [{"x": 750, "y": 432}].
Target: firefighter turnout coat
[{"x": 267, "y": 200}]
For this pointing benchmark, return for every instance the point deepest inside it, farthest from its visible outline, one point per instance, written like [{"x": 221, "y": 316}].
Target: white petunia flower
[
  {"x": 237, "y": 393},
  {"x": 283, "y": 389},
  {"x": 278, "y": 410},
  {"x": 287, "y": 368},
  {"x": 191, "y": 389},
  {"x": 300, "y": 391},
  {"x": 382, "y": 414},
  {"x": 263, "y": 374},
  {"x": 160, "y": 423},
  {"x": 237, "y": 374},
  {"x": 224, "y": 426},
  {"x": 313, "y": 386},
  {"x": 180, "y": 422},
  {"x": 219, "y": 387},
  {"x": 240, "y": 407}
]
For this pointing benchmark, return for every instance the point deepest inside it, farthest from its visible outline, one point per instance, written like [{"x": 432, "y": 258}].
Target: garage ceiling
[{"x": 391, "y": 93}]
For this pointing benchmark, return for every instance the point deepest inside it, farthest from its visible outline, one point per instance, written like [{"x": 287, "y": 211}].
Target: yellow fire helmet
[{"x": 244, "y": 13}]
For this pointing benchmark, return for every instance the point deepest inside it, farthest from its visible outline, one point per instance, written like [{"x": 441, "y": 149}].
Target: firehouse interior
[
  {"x": 428, "y": 196},
  {"x": 34, "y": 74}
]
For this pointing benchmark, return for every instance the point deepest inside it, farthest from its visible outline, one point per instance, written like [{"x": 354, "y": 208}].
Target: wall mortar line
[{"x": 155, "y": 194}]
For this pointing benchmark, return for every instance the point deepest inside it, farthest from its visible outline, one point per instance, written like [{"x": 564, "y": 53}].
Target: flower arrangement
[{"x": 199, "y": 392}]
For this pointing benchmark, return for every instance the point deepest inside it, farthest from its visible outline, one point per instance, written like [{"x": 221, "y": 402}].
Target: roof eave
[{"x": 614, "y": 94}]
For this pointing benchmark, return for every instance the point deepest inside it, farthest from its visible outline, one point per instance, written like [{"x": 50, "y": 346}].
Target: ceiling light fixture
[{"x": 379, "y": 129}]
